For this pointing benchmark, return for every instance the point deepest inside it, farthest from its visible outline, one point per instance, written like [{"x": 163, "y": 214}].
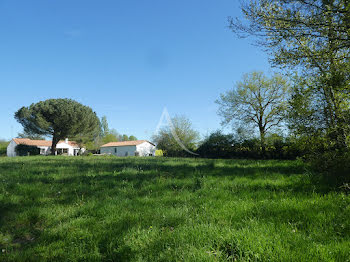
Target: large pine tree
[{"x": 59, "y": 118}]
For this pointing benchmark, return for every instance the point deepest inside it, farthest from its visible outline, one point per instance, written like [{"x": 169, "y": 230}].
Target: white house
[
  {"x": 129, "y": 148},
  {"x": 66, "y": 147}
]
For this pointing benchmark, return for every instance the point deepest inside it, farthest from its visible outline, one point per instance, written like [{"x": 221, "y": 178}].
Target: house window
[
  {"x": 115, "y": 150},
  {"x": 61, "y": 151},
  {"x": 42, "y": 151}
]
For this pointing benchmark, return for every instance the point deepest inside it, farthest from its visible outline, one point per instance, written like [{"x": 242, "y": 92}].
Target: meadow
[{"x": 168, "y": 209}]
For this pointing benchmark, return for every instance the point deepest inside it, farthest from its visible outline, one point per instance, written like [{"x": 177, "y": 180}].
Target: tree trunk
[
  {"x": 54, "y": 144},
  {"x": 262, "y": 142}
]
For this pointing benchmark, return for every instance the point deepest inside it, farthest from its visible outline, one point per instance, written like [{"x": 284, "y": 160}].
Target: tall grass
[{"x": 159, "y": 209}]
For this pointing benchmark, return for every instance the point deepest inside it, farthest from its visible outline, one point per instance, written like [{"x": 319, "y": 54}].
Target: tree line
[{"x": 308, "y": 41}]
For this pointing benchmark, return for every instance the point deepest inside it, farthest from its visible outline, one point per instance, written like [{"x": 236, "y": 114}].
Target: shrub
[
  {"x": 219, "y": 145},
  {"x": 87, "y": 153},
  {"x": 331, "y": 167},
  {"x": 25, "y": 150},
  {"x": 3, "y": 148},
  {"x": 159, "y": 153}
]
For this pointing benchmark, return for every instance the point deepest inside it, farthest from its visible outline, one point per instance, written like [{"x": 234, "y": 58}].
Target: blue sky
[{"x": 125, "y": 59}]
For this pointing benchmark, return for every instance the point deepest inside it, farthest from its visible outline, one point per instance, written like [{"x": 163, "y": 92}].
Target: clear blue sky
[{"x": 125, "y": 59}]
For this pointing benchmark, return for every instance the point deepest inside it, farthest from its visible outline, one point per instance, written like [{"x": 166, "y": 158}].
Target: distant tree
[
  {"x": 216, "y": 145},
  {"x": 256, "y": 100},
  {"x": 132, "y": 138},
  {"x": 177, "y": 138},
  {"x": 243, "y": 133},
  {"x": 59, "y": 118},
  {"x": 109, "y": 138},
  {"x": 104, "y": 126},
  {"x": 30, "y": 136},
  {"x": 125, "y": 137}
]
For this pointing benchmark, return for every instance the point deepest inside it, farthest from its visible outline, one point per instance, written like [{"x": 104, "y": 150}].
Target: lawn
[{"x": 164, "y": 209}]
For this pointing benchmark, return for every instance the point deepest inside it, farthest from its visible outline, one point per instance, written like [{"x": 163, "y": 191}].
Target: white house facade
[
  {"x": 64, "y": 147},
  {"x": 129, "y": 148}
]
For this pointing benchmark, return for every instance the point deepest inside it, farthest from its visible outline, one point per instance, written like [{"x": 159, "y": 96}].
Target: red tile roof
[
  {"x": 48, "y": 143},
  {"x": 126, "y": 143}
]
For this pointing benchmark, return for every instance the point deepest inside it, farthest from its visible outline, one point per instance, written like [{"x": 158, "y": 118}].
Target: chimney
[{"x": 66, "y": 140}]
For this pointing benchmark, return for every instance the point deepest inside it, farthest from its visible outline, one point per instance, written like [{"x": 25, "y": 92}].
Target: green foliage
[
  {"x": 3, "y": 148},
  {"x": 219, "y": 145},
  {"x": 87, "y": 153},
  {"x": 109, "y": 138},
  {"x": 25, "y": 150},
  {"x": 311, "y": 38},
  {"x": 310, "y": 35},
  {"x": 178, "y": 137},
  {"x": 167, "y": 209},
  {"x": 159, "y": 152},
  {"x": 104, "y": 126},
  {"x": 30, "y": 135},
  {"x": 59, "y": 118},
  {"x": 334, "y": 166},
  {"x": 106, "y": 135},
  {"x": 256, "y": 101},
  {"x": 132, "y": 138}
]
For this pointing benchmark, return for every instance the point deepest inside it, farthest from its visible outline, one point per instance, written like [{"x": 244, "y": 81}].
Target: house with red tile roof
[
  {"x": 64, "y": 147},
  {"x": 129, "y": 148}
]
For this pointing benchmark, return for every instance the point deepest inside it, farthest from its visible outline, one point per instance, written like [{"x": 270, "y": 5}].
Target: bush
[
  {"x": 25, "y": 150},
  {"x": 331, "y": 168},
  {"x": 3, "y": 148},
  {"x": 218, "y": 145},
  {"x": 87, "y": 153},
  {"x": 159, "y": 153}
]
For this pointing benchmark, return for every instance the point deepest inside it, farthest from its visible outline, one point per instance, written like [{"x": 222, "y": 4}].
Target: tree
[
  {"x": 30, "y": 136},
  {"x": 311, "y": 37},
  {"x": 125, "y": 137},
  {"x": 59, "y": 118},
  {"x": 104, "y": 126},
  {"x": 132, "y": 138},
  {"x": 178, "y": 138},
  {"x": 256, "y": 100},
  {"x": 109, "y": 138},
  {"x": 217, "y": 145}
]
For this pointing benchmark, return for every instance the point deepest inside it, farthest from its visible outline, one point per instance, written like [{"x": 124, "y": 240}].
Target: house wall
[
  {"x": 146, "y": 149},
  {"x": 11, "y": 149},
  {"x": 72, "y": 151},
  {"x": 44, "y": 150},
  {"x": 121, "y": 150},
  {"x": 66, "y": 146}
]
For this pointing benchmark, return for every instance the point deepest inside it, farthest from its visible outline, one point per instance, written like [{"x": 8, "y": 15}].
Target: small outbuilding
[
  {"x": 129, "y": 148},
  {"x": 64, "y": 147}
]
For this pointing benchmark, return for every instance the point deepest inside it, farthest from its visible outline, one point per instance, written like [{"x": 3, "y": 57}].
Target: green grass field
[{"x": 159, "y": 209}]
